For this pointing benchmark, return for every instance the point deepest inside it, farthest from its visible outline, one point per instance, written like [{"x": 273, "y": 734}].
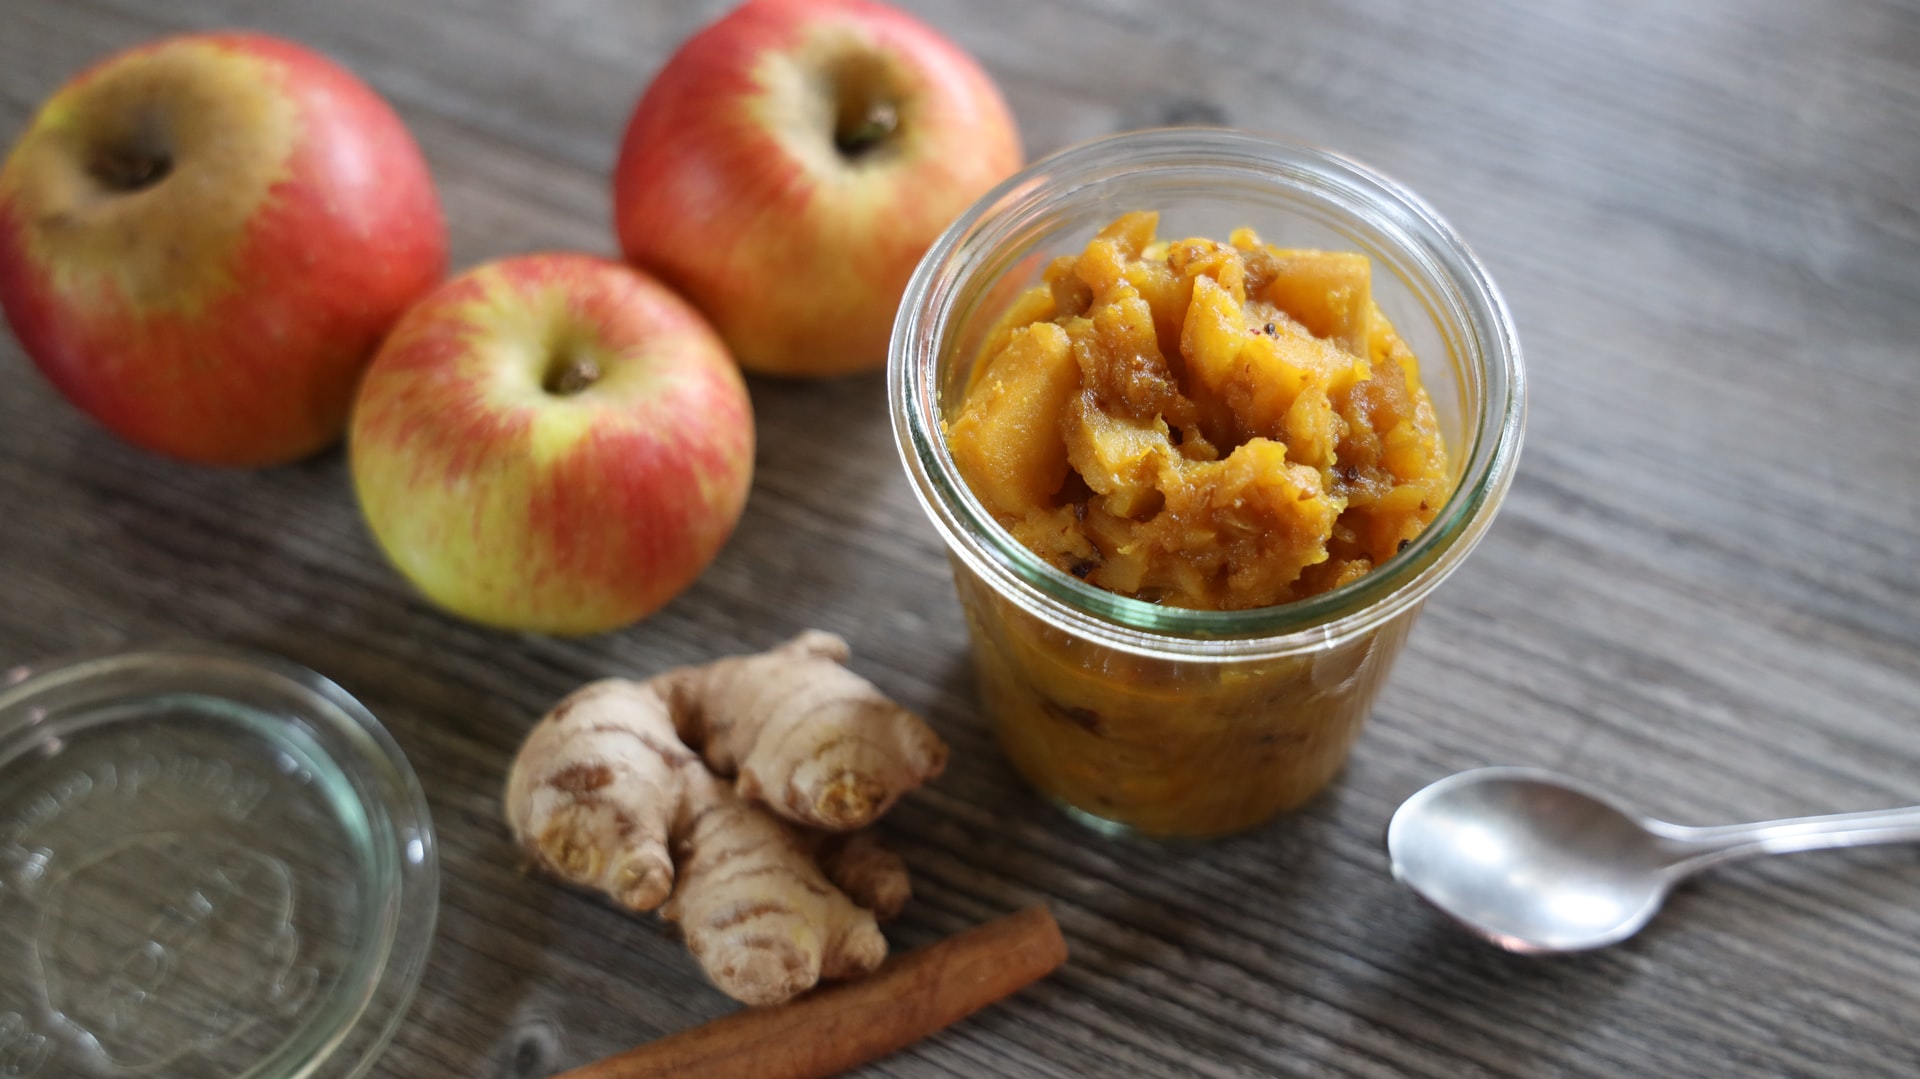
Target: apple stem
[
  {"x": 879, "y": 121},
  {"x": 573, "y": 377}
]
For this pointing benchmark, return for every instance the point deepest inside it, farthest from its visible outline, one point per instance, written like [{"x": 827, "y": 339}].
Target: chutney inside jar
[{"x": 1205, "y": 425}]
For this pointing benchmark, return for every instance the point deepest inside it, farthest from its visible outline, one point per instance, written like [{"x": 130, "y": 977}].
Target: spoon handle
[{"x": 1692, "y": 849}]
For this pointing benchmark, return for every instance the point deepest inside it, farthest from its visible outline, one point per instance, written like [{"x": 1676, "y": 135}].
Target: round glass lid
[{"x": 211, "y": 863}]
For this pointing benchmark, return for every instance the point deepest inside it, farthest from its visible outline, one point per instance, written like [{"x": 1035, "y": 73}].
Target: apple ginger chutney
[{"x": 1217, "y": 426}]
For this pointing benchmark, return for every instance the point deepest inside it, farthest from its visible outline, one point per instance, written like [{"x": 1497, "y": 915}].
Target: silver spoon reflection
[{"x": 1534, "y": 862}]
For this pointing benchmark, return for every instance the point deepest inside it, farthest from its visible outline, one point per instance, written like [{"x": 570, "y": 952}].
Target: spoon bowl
[
  {"x": 1529, "y": 861},
  {"x": 1538, "y": 863}
]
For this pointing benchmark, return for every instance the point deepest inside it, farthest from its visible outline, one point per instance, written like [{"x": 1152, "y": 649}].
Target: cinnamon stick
[{"x": 844, "y": 1026}]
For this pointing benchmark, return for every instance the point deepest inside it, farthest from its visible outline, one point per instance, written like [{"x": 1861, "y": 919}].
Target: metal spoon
[{"x": 1537, "y": 863}]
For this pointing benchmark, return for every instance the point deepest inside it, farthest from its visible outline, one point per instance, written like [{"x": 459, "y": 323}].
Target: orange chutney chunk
[{"x": 1204, "y": 425}]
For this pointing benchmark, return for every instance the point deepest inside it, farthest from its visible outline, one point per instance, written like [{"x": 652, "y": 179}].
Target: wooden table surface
[{"x": 1703, "y": 591}]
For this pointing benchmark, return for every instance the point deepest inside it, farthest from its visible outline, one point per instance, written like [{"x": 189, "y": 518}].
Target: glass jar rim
[{"x": 1415, "y": 231}]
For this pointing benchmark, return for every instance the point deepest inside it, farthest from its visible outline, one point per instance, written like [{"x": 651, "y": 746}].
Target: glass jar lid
[{"x": 211, "y": 863}]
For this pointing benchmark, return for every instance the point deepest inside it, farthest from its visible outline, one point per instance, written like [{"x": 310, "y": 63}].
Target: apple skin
[
  {"x": 203, "y": 239},
  {"x": 518, "y": 489},
  {"x": 731, "y": 186}
]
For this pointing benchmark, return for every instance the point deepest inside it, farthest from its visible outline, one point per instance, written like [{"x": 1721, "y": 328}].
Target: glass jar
[
  {"x": 212, "y": 862},
  {"x": 1161, "y": 720}
]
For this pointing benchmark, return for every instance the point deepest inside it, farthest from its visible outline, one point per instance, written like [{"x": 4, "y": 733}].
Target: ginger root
[
  {"x": 608, "y": 793},
  {"x": 802, "y": 733},
  {"x": 592, "y": 793},
  {"x": 758, "y": 913}
]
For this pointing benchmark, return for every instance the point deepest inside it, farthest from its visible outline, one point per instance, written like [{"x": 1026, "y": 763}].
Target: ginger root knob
[{"x": 802, "y": 733}]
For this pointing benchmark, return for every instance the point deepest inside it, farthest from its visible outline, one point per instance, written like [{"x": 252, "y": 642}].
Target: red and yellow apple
[
  {"x": 790, "y": 164},
  {"x": 203, "y": 239},
  {"x": 554, "y": 443}
]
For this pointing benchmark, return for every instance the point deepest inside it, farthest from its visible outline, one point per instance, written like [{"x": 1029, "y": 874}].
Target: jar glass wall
[{"x": 1165, "y": 720}]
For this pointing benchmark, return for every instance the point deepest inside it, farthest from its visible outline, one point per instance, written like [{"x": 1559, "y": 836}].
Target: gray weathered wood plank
[{"x": 1704, "y": 590}]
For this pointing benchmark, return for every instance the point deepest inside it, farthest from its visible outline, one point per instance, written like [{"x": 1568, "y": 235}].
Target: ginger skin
[
  {"x": 590, "y": 793},
  {"x": 758, "y": 913},
  {"x": 803, "y": 734},
  {"x": 606, "y": 794}
]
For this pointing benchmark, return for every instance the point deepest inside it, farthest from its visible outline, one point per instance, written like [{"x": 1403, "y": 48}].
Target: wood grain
[{"x": 1704, "y": 589}]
